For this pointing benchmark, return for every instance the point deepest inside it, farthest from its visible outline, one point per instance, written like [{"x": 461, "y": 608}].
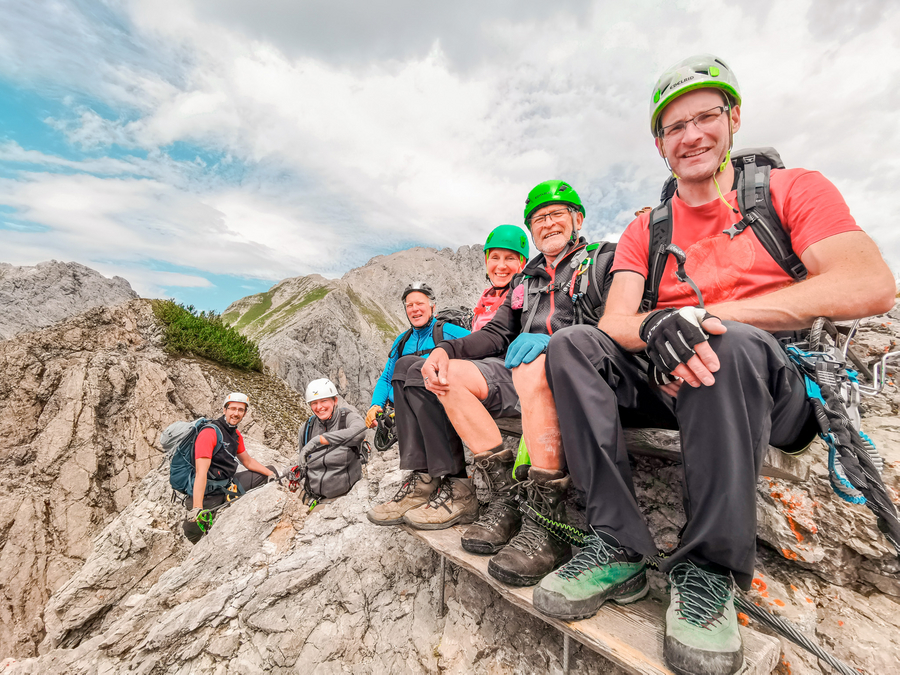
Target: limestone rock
[
  {"x": 274, "y": 588},
  {"x": 39, "y": 296},
  {"x": 82, "y": 405},
  {"x": 342, "y": 329}
]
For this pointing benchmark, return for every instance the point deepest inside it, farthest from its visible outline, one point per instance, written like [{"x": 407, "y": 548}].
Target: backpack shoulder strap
[
  {"x": 219, "y": 439},
  {"x": 437, "y": 333},
  {"x": 342, "y": 420},
  {"x": 603, "y": 254},
  {"x": 755, "y": 204},
  {"x": 306, "y": 429},
  {"x": 529, "y": 313},
  {"x": 660, "y": 237},
  {"x": 402, "y": 344}
]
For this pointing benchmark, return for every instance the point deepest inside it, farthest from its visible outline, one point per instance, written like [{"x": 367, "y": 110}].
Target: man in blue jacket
[
  {"x": 419, "y": 301},
  {"x": 458, "y": 495}
]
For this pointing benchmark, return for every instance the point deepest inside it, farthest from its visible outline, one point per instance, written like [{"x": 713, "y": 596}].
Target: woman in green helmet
[
  {"x": 505, "y": 254},
  {"x": 430, "y": 449}
]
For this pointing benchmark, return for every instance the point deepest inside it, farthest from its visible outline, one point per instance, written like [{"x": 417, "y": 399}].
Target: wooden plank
[
  {"x": 630, "y": 636},
  {"x": 665, "y": 444}
]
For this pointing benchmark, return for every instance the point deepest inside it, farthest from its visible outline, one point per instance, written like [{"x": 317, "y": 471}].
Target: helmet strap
[{"x": 727, "y": 159}]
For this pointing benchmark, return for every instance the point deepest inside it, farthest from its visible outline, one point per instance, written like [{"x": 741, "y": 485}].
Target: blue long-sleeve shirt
[{"x": 422, "y": 338}]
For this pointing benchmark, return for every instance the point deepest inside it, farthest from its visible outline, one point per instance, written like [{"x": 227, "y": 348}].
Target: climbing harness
[
  {"x": 206, "y": 517},
  {"x": 587, "y": 287},
  {"x": 298, "y": 480}
]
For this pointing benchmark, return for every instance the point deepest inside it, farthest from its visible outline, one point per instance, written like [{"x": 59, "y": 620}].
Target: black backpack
[
  {"x": 459, "y": 316},
  {"x": 753, "y": 167}
]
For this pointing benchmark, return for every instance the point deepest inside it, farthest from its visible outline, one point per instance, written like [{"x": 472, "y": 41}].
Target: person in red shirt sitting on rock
[{"x": 218, "y": 462}]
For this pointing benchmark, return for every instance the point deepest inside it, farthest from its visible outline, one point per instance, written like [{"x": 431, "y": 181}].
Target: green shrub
[{"x": 188, "y": 331}]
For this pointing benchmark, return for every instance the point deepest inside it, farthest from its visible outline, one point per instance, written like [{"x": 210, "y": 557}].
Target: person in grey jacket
[{"x": 330, "y": 443}]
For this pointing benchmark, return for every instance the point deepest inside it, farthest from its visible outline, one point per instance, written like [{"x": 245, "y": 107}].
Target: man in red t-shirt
[
  {"x": 219, "y": 463},
  {"x": 741, "y": 394}
]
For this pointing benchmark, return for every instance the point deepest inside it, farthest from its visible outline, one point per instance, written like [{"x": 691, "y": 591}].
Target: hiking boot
[
  {"x": 501, "y": 518},
  {"x": 598, "y": 572},
  {"x": 533, "y": 553},
  {"x": 453, "y": 502},
  {"x": 414, "y": 491},
  {"x": 702, "y": 633}
]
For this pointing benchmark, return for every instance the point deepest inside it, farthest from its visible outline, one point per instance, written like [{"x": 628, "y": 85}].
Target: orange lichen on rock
[
  {"x": 743, "y": 619},
  {"x": 760, "y": 587}
]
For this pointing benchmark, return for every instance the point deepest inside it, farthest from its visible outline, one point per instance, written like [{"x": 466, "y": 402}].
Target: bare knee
[
  {"x": 463, "y": 377},
  {"x": 530, "y": 377}
]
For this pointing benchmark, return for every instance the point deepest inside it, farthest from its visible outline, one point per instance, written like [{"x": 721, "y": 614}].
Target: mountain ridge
[{"x": 309, "y": 327}]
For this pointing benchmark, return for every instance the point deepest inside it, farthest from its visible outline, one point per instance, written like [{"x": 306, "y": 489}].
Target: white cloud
[{"x": 349, "y": 145}]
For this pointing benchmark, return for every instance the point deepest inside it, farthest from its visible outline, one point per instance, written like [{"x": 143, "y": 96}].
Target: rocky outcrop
[
  {"x": 275, "y": 588},
  {"x": 342, "y": 329},
  {"x": 81, "y": 408},
  {"x": 40, "y": 296}
]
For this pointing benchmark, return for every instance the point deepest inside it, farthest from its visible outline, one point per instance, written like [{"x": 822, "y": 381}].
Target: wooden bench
[
  {"x": 666, "y": 444},
  {"x": 631, "y": 636}
]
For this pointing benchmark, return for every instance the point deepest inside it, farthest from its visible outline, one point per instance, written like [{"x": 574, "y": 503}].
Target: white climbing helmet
[
  {"x": 236, "y": 397},
  {"x": 319, "y": 389}
]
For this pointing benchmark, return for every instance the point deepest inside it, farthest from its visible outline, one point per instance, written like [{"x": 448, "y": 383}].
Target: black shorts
[{"x": 502, "y": 399}]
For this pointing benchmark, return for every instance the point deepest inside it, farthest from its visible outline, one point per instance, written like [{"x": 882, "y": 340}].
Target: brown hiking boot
[
  {"x": 414, "y": 491},
  {"x": 501, "y": 518},
  {"x": 453, "y": 502},
  {"x": 533, "y": 553}
]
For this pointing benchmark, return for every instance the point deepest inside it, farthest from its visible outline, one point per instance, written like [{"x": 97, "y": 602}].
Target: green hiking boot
[
  {"x": 598, "y": 572},
  {"x": 500, "y": 519},
  {"x": 702, "y": 636}
]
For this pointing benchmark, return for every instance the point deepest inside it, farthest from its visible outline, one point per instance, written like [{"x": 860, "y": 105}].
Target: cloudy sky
[{"x": 204, "y": 149}]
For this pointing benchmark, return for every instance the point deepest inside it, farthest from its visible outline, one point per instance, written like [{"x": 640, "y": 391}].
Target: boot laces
[
  {"x": 407, "y": 486},
  {"x": 529, "y": 538},
  {"x": 533, "y": 535},
  {"x": 491, "y": 473},
  {"x": 498, "y": 507},
  {"x": 702, "y": 595},
  {"x": 442, "y": 495},
  {"x": 594, "y": 553}
]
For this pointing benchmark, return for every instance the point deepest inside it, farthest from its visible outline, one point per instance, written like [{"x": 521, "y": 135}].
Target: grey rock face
[
  {"x": 82, "y": 405},
  {"x": 35, "y": 297},
  {"x": 311, "y": 327},
  {"x": 274, "y": 588}
]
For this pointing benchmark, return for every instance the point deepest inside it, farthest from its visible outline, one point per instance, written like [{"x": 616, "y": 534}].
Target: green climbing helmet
[
  {"x": 509, "y": 237},
  {"x": 695, "y": 72},
  {"x": 551, "y": 192}
]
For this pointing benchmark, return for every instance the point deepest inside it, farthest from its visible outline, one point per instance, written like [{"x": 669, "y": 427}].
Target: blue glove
[{"x": 525, "y": 349}]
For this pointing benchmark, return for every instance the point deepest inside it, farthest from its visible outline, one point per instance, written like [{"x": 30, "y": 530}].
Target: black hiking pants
[
  {"x": 246, "y": 479},
  {"x": 758, "y": 398},
  {"x": 428, "y": 442}
]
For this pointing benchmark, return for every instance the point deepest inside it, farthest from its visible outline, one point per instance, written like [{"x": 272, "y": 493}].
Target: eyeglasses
[
  {"x": 555, "y": 216},
  {"x": 703, "y": 121}
]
